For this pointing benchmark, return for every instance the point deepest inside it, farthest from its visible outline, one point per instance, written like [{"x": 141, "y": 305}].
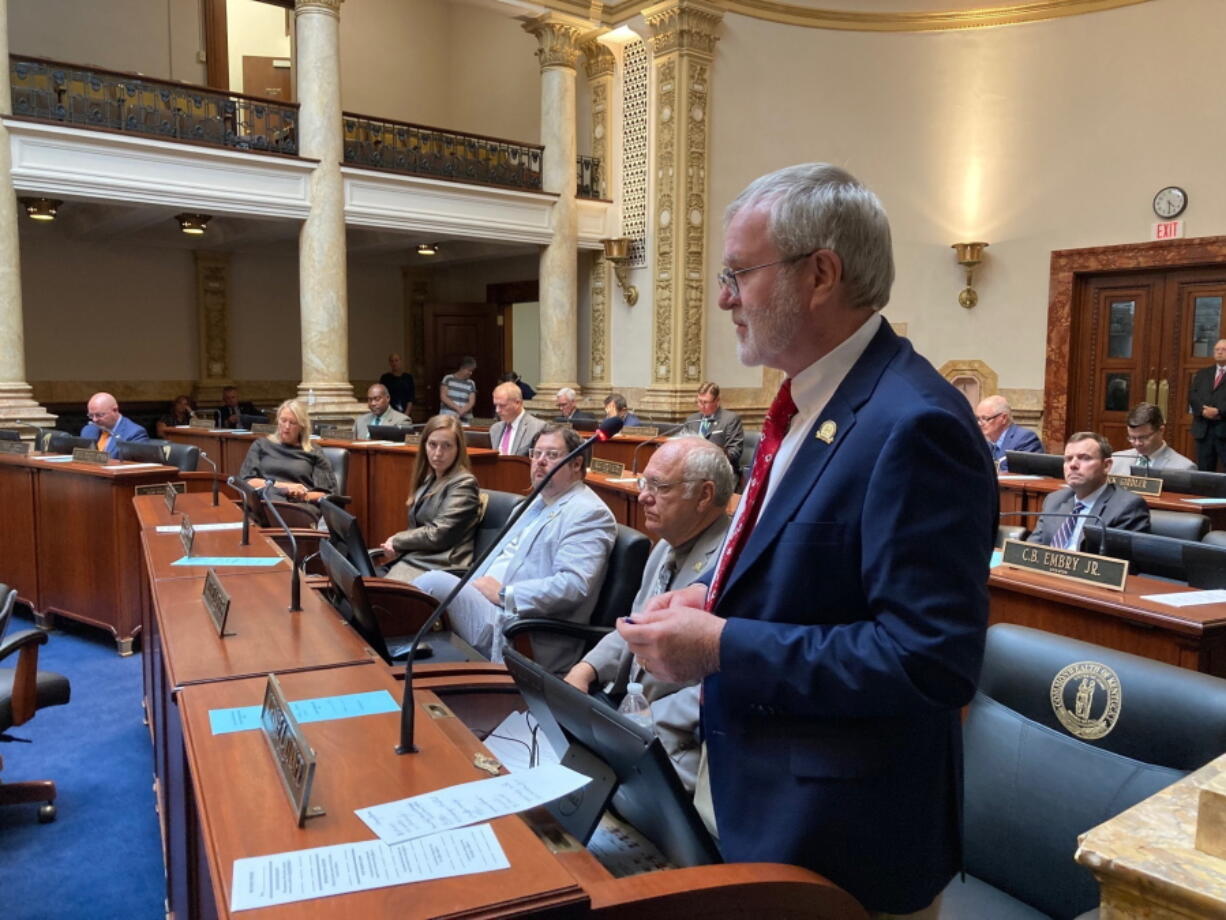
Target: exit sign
[{"x": 1168, "y": 230}]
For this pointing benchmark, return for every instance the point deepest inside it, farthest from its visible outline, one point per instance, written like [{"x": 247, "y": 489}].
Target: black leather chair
[
  {"x": 1030, "y": 464},
  {"x": 476, "y": 438},
  {"x": 1035, "y": 779},
  {"x": 1182, "y": 525},
  {"x": 9, "y": 434},
  {"x": 23, "y": 691},
  {"x": 498, "y": 508},
  {"x": 338, "y": 457},
  {"x": 61, "y": 442},
  {"x": 1215, "y": 538},
  {"x": 184, "y": 457}
]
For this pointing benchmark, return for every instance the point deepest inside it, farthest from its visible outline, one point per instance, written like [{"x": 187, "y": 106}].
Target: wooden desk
[
  {"x": 69, "y": 545},
  {"x": 1028, "y": 495},
  {"x": 621, "y": 497},
  {"x": 228, "y": 449},
  {"x": 1191, "y": 637},
  {"x": 622, "y": 448}
]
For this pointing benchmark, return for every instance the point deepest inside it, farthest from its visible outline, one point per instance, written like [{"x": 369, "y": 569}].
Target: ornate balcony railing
[
  {"x": 380, "y": 143},
  {"x": 114, "y": 101},
  {"x": 589, "y": 183}
]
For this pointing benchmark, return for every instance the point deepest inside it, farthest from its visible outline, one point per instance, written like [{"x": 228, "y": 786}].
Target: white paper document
[
  {"x": 261, "y": 881},
  {"x": 201, "y": 528},
  {"x": 513, "y": 743},
  {"x": 1188, "y": 598},
  {"x": 467, "y": 803}
]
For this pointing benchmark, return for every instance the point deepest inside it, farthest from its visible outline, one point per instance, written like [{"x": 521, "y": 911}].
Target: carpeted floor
[{"x": 102, "y": 856}]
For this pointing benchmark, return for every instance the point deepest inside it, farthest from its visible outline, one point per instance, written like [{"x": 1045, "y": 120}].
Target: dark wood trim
[
  {"x": 509, "y": 292},
  {"x": 216, "y": 44}
]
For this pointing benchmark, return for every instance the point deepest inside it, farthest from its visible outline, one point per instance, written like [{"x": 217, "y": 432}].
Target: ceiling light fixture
[
  {"x": 40, "y": 208},
  {"x": 193, "y": 224},
  {"x": 427, "y": 249}
]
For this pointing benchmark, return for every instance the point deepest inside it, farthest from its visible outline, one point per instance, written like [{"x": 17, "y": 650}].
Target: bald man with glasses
[
  {"x": 996, "y": 422},
  {"x": 108, "y": 427}
]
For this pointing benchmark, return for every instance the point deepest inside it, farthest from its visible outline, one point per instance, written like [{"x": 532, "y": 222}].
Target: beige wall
[
  {"x": 1038, "y": 137},
  {"x": 493, "y": 81},
  {"x": 256, "y": 29}
]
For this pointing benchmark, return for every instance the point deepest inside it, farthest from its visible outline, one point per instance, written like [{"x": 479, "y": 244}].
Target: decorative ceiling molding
[{"x": 818, "y": 18}]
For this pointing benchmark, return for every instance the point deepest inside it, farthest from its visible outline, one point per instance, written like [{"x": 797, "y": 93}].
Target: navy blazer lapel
[{"x": 814, "y": 453}]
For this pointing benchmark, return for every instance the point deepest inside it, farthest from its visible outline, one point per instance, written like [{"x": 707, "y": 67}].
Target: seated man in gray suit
[
  {"x": 1148, "y": 448},
  {"x": 381, "y": 412},
  {"x": 567, "y": 401},
  {"x": 550, "y": 564},
  {"x": 515, "y": 430},
  {"x": 684, "y": 493},
  {"x": 718, "y": 425},
  {"x": 1087, "y": 460}
]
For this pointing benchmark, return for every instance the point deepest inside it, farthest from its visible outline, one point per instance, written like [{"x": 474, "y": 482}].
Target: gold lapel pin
[{"x": 826, "y": 431}]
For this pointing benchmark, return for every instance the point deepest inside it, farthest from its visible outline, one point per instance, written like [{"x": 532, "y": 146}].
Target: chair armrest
[
  {"x": 401, "y": 608},
  {"x": 587, "y": 632},
  {"x": 25, "y": 680},
  {"x": 340, "y": 500}
]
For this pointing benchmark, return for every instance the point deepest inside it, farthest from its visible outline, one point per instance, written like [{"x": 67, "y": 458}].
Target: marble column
[
  {"x": 557, "y": 38},
  {"x": 322, "y": 281},
  {"x": 17, "y": 403},
  {"x": 600, "y": 66},
  {"x": 683, "y": 44}
]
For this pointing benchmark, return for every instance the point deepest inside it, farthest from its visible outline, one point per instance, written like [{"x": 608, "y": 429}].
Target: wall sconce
[
  {"x": 193, "y": 224},
  {"x": 969, "y": 255},
  {"x": 40, "y": 208},
  {"x": 427, "y": 249},
  {"x": 617, "y": 251}
]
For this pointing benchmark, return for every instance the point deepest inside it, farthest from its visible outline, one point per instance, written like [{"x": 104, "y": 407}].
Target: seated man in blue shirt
[
  {"x": 108, "y": 427},
  {"x": 996, "y": 423}
]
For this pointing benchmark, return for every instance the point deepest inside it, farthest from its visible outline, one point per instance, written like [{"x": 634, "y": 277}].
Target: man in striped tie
[{"x": 1087, "y": 460}]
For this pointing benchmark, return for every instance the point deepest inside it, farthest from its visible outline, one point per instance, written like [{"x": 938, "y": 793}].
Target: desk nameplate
[
  {"x": 1141, "y": 485},
  {"x": 170, "y": 495},
  {"x": 294, "y": 757},
  {"x": 263, "y": 428},
  {"x": 412, "y": 440},
  {"x": 607, "y": 467},
  {"x": 1085, "y": 568},
  {"x": 187, "y": 535},
  {"x": 337, "y": 432},
  {"x": 15, "y": 447},
  {"x": 159, "y": 488},
  {"x": 216, "y": 602},
  {"x": 641, "y": 431},
  {"x": 85, "y": 455},
  {"x": 207, "y": 423}
]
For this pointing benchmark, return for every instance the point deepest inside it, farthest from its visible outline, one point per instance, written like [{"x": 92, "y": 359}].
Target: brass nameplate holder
[
  {"x": 85, "y": 455},
  {"x": 14, "y": 447},
  {"x": 169, "y": 493},
  {"x": 159, "y": 488},
  {"x": 209, "y": 423},
  {"x": 187, "y": 535},
  {"x": 337, "y": 432},
  {"x": 1142, "y": 485},
  {"x": 263, "y": 428},
  {"x": 1086, "y": 568},
  {"x": 413, "y": 440},
  {"x": 607, "y": 467},
  {"x": 291, "y": 753},
  {"x": 641, "y": 431},
  {"x": 216, "y": 602}
]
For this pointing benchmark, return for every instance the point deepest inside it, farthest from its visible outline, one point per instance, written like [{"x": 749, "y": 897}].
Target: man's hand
[
  {"x": 1209, "y": 411},
  {"x": 581, "y": 676},
  {"x": 488, "y": 587},
  {"x": 675, "y": 642},
  {"x": 691, "y": 596}
]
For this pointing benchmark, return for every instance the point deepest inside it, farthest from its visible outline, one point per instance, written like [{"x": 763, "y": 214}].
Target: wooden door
[
  {"x": 268, "y": 77},
  {"x": 453, "y": 330},
  {"x": 1140, "y": 336}
]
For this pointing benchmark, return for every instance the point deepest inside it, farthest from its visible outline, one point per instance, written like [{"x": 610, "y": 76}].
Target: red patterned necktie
[
  {"x": 1217, "y": 378},
  {"x": 774, "y": 428}
]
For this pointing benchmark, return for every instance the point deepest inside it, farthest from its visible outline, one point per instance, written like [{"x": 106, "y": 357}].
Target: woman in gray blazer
[{"x": 443, "y": 507}]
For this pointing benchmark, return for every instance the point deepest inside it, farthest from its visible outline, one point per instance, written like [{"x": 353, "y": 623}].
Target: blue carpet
[{"x": 102, "y": 856}]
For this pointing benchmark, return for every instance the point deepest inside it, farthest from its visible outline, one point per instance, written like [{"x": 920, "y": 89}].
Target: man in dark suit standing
[
  {"x": 1087, "y": 460},
  {"x": 842, "y": 628},
  {"x": 720, "y": 426},
  {"x": 1207, "y": 403}
]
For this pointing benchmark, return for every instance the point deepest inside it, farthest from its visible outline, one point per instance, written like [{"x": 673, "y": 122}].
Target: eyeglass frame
[
  {"x": 537, "y": 453},
  {"x": 727, "y": 278},
  {"x": 984, "y": 419},
  {"x": 645, "y": 485}
]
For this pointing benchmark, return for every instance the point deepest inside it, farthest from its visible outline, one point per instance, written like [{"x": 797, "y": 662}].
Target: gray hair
[
  {"x": 568, "y": 393},
  {"x": 704, "y": 462},
  {"x": 820, "y": 206}
]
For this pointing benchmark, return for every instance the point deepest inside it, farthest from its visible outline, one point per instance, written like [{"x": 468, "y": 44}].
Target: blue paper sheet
[
  {"x": 229, "y": 560},
  {"x": 998, "y": 556},
  {"x": 1205, "y": 501},
  {"x": 320, "y": 709}
]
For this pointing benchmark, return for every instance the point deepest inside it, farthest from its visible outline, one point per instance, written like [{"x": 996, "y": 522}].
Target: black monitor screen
[
  {"x": 620, "y": 756},
  {"x": 389, "y": 432},
  {"x": 1205, "y": 565},
  {"x": 246, "y": 421},
  {"x": 476, "y": 439},
  {"x": 1026, "y": 463},
  {"x": 345, "y": 534},
  {"x": 61, "y": 442},
  {"x": 143, "y": 451},
  {"x": 1189, "y": 482},
  {"x": 1146, "y": 553},
  {"x": 8, "y": 434}
]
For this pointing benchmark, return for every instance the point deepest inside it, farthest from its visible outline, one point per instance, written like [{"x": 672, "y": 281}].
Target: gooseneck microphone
[
  {"x": 607, "y": 429},
  {"x": 216, "y": 482},
  {"x": 295, "y": 595}
]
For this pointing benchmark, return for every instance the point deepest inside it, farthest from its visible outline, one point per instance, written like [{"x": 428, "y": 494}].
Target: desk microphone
[
  {"x": 38, "y": 432},
  {"x": 654, "y": 439},
  {"x": 295, "y": 595},
  {"x": 216, "y": 482},
  {"x": 1102, "y": 527},
  {"x": 247, "y": 492},
  {"x": 607, "y": 429}
]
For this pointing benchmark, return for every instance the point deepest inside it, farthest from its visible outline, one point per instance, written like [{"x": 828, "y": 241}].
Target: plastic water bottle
[{"x": 635, "y": 706}]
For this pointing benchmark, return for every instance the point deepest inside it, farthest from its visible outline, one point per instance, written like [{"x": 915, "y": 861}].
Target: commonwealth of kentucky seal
[{"x": 1079, "y": 705}]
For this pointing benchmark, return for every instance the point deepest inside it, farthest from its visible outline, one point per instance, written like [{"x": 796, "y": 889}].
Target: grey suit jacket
[
  {"x": 727, "y": 432},
  {"x": 558, "y": 571},
  {"x": 521, "y": 442},
  {"x": 361, "y": 427},
  {"x": 442, "y": 523},
  {"x": 674, "y": 707},
  {"x": 1164, "y": 458},
  {"x": 1117, "y": 508}
]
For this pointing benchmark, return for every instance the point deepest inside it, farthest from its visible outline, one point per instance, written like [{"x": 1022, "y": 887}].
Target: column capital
[
  {"x": 557, "y": 37},
  {"x": 327, "y": 7},
  {"x": 683, "y": 25},
  {"x": 599, "y": 60}
]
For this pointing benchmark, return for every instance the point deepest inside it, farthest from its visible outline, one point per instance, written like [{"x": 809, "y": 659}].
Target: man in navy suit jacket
[
  {"x": 108, "y": 427},
  {"x": 849, "y": 629},
  {"x": 996, "y": 422}
]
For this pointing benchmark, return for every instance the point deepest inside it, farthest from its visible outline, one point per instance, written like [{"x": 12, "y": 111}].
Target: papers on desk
[
  {"x": 514, "y": 740},
  {"x": 262, "y": 881},
  {"x": 55, "y": 458},
  {"x": 201, "y": 528},
  {"x": 1205, "y": 501},
  {"x": 624, "y": 480},
  {"x": 320, "y": 709},
  {"x": 1018, "y": 477},
  {"x": 249, "y": 561},
  {"x": 130, "y": 466},
  {"x": 387, "y": 443},
  {"x": 480, "y": 800},
  {"x": 1188, "y": 598}
]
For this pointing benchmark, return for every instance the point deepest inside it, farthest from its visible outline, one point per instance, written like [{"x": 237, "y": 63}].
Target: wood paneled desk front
[{"x": 1022, "y": 494}]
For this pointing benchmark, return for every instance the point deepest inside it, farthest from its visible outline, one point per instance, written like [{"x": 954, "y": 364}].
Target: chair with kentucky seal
[{"x": 1061, "y": 736}]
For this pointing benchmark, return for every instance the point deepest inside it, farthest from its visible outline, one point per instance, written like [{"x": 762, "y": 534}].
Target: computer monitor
[
  {"x": 356, "y": 609},
  {"x": 144, "y": 451},
  {"x": 1031, "y": 464},
  {"x": 246, "y": 421},
  {"x": 1146, "y": 553},
  {"x": 621, "y": 757},
  {"x": 8, "y": 434},
  {"x": 346, "y": 535},
  {"x": 389, "y": 432},
  {"x": 476, "y": 439},
  {"x": 1189, "y": 482},
  {"x": 61, "y": 442},
  {"x": 1205, "y": 564}
]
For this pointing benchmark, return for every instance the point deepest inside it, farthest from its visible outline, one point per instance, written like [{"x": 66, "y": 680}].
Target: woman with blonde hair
[
  {"x": 444, "y": 505},
  {"x": 298, "y": 471}
]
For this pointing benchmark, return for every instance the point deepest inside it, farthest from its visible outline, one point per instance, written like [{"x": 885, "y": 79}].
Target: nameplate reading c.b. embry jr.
[{"x": 1087, "y": 568}]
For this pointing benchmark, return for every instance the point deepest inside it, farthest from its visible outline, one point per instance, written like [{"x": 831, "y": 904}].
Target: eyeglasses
[
  {"x": 984, "y": 419},
  {"x": 656, "y": 487},
  {"x": 1141, "y": 438},
  {"x": 728, "y": 277},
  {"x": 98, "y": 414},
  {"x": 550, "y": 455}
]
